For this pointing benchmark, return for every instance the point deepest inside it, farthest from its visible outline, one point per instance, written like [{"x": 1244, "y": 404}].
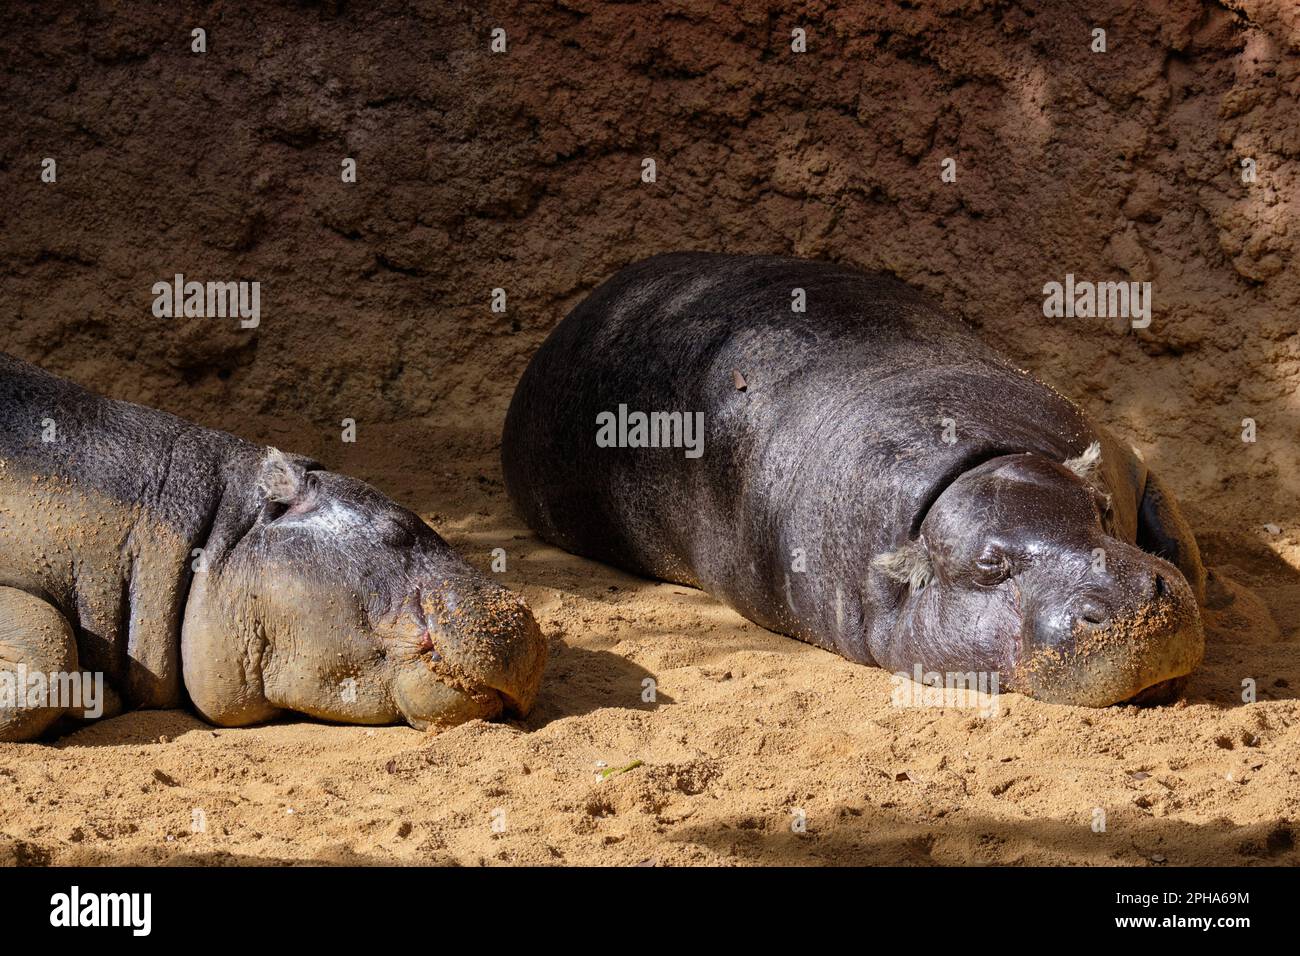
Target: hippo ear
[
  {"x": 910, "y": 565},
  {"x": 1088, "y": 465},
  {"x": 279, "y": 479}
]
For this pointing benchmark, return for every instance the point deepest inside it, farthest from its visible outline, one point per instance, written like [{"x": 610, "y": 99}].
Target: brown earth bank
[{"x": 522, "y": 171}]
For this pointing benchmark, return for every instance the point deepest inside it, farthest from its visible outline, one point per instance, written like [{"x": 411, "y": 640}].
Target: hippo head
[
  {"x": 1014, "y": 572},
  {"x": 338, "y": 603}
]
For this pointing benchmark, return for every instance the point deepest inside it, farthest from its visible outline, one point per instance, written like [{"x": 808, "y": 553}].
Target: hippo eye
[
  {"x": 395, "y": 535},
  {"x": 993, "y": 567}
]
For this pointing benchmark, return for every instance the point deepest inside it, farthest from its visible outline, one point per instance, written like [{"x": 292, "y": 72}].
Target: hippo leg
[
  {"x": 1164, "y": 531},
  {"x": 34, "y": 639}
]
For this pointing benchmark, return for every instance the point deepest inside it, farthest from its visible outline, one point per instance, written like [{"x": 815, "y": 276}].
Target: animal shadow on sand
[
  {"x": 879, "y": 836},
  {"x": 1252, "y": 623}
]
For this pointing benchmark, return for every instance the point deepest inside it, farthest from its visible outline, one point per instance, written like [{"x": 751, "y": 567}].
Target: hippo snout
[
  {"x": 477, "y": 651},
  {"x": 1140, "y": 630},
  {"x": 1096, "y": 610},
  {"x": 499, "y": 645}
]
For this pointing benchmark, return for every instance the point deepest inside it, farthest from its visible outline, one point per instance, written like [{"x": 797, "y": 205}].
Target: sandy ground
[{"x": 747, "y": 729}]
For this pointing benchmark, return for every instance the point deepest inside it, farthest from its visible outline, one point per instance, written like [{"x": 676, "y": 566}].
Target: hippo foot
[{"x": 38, "y": 664}]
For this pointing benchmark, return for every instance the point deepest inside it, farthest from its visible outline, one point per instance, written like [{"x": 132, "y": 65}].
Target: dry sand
[{"x": 747, "y": 729}]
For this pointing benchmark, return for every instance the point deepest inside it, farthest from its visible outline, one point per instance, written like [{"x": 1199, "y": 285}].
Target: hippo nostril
[
  {"x": 426, "y": 647},
  {"x": 1162, "y": 586}
]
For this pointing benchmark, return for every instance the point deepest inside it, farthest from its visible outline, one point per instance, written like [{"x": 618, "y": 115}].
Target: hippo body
[
  {"x": 184, "y": 564},
  {"x": 859, "y": 459}
]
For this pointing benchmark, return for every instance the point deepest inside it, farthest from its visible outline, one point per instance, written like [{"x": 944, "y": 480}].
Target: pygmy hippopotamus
[
  {"x": 840, "y": 461},
  {"x": 169, "y": 561}
]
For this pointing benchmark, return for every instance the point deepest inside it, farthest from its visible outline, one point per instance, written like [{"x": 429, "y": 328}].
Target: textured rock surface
[{"x": 521, "y": 171}]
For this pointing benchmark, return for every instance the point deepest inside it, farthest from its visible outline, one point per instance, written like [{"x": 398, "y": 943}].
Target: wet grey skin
[
  {"x": 827, "y": 504},
  {"x": 186, "y": 565}
]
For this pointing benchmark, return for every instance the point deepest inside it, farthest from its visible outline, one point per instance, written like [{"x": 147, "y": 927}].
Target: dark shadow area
[
  {"x": 873, "y": 836},
  {"x": 579, "y": 681},
  {"x": 28, "y": 853},
  {"x": 134, "y": 728}
]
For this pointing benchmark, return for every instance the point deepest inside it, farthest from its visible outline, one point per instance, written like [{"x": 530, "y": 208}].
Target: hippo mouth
[
  {"x": 1158, "y": 694},
  {"x": 430, "y": 703},
  {"x": 499, "y": 696},
  {"x": 433, "y": 693},
  {"x": 459, "y": 661}
]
